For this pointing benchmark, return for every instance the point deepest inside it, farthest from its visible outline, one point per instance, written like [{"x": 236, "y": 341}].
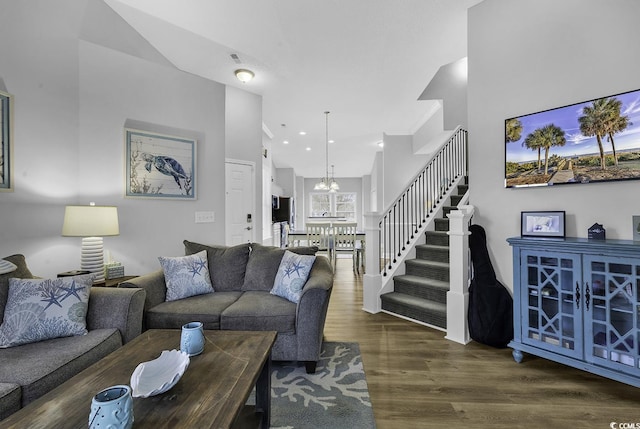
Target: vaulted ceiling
[{"x": 365, "y": 61}]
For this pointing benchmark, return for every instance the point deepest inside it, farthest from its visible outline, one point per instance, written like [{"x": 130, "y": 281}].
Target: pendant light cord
[{"x": 327, "y": 146}]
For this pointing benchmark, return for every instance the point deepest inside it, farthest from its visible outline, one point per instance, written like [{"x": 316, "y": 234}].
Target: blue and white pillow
[
  {"x": 292, "y": 274},
  {"x": 42, "y": 309},
  {"x": 186, "y": 276}
]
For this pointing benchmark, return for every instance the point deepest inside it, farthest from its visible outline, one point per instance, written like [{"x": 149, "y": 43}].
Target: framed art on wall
[
  {"x": 542, "y": 224},
  {"x": 592, "y": 141},
  {"x": 6, "y": 142},
  {"x": 159, "y": 166},
  {"x": 636, "y": 227}
]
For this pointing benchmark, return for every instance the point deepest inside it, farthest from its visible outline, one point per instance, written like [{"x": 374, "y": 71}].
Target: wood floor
[{"x": 417, "y": 379}]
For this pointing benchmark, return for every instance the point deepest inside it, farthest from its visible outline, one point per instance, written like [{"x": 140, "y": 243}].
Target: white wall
[
  {"x": 300, "y": 207},
  {"x": 286, "y": 179},
  {"x": 45, "y": 125},
  {"x": 450, "y": 85},
  {"x": 243, "y": 141},
  {"x": 347, "y": 184},
  {"x": 267, "y": 230},
  {"x": 377, "y": 184},
  {"x": 73, "y": 99},
  {"x": 117, "y": 91},
  {"x": 429, "y": 136},
  {"x": 530, "y": 56},
  {"x": 366, "y": 197},
  {"x": 401, "y": 165}
]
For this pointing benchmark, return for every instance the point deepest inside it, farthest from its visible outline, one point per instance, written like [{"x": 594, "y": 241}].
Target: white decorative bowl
[{"x": 158, "y": 375}]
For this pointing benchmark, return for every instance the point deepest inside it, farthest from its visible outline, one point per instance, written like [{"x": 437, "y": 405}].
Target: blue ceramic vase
[
  {"x": 112, "y": 408},
  {"x": 192, "y": 338}
]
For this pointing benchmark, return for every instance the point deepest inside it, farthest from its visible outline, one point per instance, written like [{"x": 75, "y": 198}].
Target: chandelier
[{"x": 326, "y": 183}]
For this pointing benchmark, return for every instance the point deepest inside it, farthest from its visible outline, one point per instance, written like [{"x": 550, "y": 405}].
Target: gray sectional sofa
[
  {"x": 28, "y": 371},
  {"x": 242, "y": 277}
]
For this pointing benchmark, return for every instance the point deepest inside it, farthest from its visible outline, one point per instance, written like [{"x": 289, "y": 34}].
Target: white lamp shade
[
  {"x": 321, "y": 186},
  {"x": 90, "y": 221}
]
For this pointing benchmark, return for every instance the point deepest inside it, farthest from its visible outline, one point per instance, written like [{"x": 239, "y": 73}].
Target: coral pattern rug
[{"x": 336, "y": 396}]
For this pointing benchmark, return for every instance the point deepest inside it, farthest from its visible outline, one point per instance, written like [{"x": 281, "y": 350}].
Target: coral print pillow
[
  {"x": 292, "y": 275},
  {"x": 42, "y": 309},
  {"x": 186, "y": 276}
]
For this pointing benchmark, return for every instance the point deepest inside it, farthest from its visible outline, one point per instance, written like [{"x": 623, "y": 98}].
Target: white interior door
[{"x": 239, "y": 202}]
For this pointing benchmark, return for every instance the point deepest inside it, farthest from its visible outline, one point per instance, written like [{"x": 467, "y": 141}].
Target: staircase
[{"x": 421, "y": 293}]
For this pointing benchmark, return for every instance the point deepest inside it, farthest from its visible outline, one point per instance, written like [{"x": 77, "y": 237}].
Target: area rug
[{"x": 336, "y": 396}]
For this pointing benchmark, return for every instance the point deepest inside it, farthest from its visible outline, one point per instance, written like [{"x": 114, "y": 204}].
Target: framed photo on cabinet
[
  {"x": 159, "y": 166},
  {"x": 636, "y": 227},
  {"x": 542, "y": 224}
]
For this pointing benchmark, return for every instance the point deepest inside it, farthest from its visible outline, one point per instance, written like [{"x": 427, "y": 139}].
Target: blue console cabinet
[{"x": 576, "y": 302}]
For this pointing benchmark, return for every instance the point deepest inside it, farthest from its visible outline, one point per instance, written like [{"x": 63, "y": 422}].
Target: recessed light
[
  {"x": 308, "y": 148},
  {"x": 285, "y": 142},
  {"x": 331, "y": 141},
  {"x": 302, "y": 133}
]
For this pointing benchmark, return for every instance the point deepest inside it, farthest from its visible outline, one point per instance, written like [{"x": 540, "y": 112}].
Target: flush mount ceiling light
[{"x": 244, "y": 75}]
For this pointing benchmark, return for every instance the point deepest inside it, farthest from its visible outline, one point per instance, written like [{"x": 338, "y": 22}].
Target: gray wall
[
  {"x": 530, "y": 56},
  {"x": 73, "y": 98}
]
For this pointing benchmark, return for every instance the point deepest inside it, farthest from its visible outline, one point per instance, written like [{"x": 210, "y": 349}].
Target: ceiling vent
[{"x": 236, "y": 58}]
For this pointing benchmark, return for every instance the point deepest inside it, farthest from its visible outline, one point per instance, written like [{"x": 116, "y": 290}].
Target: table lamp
[{"x": 91, "y": 223}]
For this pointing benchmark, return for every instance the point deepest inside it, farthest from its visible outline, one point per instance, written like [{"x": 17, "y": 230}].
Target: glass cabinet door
[
  {"x": 551, "y": 310},
  {"x": 611, "y": 312}
]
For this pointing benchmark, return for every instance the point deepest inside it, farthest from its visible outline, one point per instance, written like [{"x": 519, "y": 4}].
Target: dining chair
[
  {"x": 344, "y": 241},
  {"x": 319, "y": 234}
]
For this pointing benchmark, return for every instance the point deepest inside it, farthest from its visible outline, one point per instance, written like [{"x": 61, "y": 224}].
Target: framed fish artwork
[
  {"x": 159, "y": 166},
  {"x": 6, "y": 142}
]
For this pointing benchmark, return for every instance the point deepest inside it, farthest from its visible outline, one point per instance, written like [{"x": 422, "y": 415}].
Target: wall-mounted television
[{"x": 592, "y": 141}]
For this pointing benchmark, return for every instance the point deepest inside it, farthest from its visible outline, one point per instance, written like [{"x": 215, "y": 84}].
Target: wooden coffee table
[{"x": 212, "y": 393}]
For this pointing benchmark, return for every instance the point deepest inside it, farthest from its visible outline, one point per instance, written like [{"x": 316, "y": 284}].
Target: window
[
  {"x": 345, "y": 205},
  {"x": 341, "y": 204},
  {"x": 320, "y": 205}
]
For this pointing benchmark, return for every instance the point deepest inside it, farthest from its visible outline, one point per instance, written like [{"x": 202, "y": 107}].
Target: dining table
[{"x": 299, "y": 238}]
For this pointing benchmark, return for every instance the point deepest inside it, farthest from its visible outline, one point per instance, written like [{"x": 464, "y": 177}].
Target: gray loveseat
[
  {"x": 242, "y": 277},
  {"x": 29, "y": 371}
]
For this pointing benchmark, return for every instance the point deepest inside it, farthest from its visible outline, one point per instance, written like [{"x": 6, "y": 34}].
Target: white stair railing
[
  {"x": 392, "y": 235},
  {"x": 458, "y": 295}
]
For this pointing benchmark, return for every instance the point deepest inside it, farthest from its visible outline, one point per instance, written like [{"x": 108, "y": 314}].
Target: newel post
[
  {"x": 458, "y": 295},
  {"x": 372, "y": 280}
]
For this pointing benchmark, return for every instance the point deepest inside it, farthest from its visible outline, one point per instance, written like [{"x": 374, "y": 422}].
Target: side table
[{"x": 114, "y": 282}]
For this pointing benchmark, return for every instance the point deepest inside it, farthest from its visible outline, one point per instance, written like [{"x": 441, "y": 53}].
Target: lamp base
[{"x": 92, "y": 257}]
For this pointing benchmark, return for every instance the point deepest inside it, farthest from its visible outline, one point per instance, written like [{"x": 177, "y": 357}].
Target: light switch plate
[{"x": 205, "y": 217}]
